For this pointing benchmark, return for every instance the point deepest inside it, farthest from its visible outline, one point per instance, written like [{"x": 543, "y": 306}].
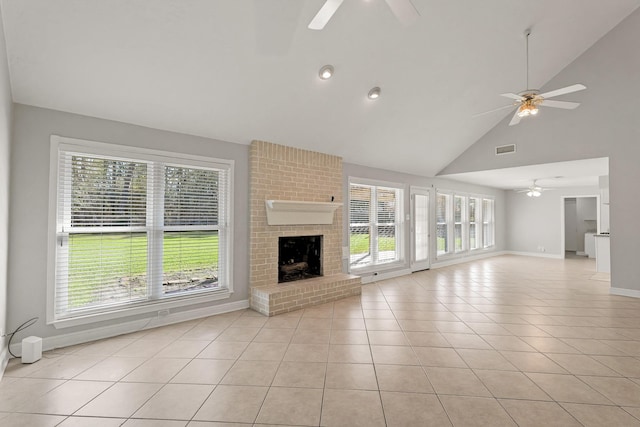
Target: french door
[{"x": 419, "y": 229}]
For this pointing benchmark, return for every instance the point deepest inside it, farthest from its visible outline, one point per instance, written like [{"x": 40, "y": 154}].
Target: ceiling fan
[
  {"x": 404, "y": 10},
  {"x": 533, "y": 190},
  {"x": 529, "y": 100}
]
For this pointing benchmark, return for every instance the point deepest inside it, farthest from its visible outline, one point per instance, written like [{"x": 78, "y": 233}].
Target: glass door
[{"x": 419, "y": 229}]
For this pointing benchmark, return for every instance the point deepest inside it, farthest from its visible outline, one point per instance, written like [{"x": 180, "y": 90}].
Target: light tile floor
[{"x": 502, "y": 341}]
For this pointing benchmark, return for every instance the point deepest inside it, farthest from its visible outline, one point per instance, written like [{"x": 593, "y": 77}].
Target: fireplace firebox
[{"x": 299, "y": 257}]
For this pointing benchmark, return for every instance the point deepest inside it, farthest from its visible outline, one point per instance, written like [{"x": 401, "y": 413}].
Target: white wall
[
  {"x": 605, "y": 125},
  {"x": 605, "y": 223},
  {"x": 407, "y": 180},
  {"x": 6, "y": 108},
  {"x": 29, "y": 198},
  {"x": 536, "y": 224}
]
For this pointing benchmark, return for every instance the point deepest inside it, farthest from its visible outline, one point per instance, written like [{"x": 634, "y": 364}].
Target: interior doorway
[{"x": 580, "y": 224}]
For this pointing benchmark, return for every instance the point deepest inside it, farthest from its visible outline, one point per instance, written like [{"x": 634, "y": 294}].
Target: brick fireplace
[{"x": 290, "y": 174}]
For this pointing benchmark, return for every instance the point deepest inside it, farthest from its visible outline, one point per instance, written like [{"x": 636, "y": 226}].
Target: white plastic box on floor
[{"x": 31, "y": 349}]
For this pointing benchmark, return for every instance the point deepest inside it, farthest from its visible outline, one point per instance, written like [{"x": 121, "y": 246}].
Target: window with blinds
[
  {"x": 474, "y": 206},
  {"x": 136, "y": 228},
  {"x": 459, "y": 223},
  {"x": 375, "y": 215},
  {"x": 463, "y": 223},
  {"x": 488, "y": 223},
  {"x": 442, "y": 223}
]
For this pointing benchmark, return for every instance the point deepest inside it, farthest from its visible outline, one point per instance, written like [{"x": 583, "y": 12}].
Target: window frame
[
  {"x": 477, "y": 222},
  {"x": 373, "y": 224},
  {"x": 151, "y": 157},
  {"x": 465, "y": 223},
  {"x": 490, "y": 223},
  {"x": 448, "y": 215}
]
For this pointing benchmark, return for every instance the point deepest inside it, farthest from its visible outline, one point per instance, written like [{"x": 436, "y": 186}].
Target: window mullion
[
  {"x": 398, "y": 224},
  {"x": 62, "y": 231},
  {"x": 223, "y": 227},
  {"x": 480, "y": 226},
  {"x": 155, "y": 225},
  {"x": 451, "y": 239},
  {"x": 465, "y": 223}
]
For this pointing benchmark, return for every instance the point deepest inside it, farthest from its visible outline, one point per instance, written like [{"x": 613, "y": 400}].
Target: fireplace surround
[{"x": 281, "y": 173}]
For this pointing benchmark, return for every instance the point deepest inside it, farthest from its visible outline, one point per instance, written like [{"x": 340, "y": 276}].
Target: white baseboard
[
  {"x": 387, "y": 275},
  {"x": 634, "y": 293},
  {"x": 581, "y": 253},
  {"x": 460, "y": 260},
  {"x": 74, "y": 338},
  {"x": 535, "y": 254}
]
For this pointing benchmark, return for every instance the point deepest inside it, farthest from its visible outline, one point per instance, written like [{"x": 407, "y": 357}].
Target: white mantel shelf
[{"x": 292, "y": 212}]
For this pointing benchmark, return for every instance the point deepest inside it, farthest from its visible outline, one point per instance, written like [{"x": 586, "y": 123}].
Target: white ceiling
[
  {"x": 239, "y": 70},
  {"x": 577, "y": 173}
]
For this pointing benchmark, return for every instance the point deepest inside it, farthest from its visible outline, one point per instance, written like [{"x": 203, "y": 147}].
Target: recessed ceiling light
[
  {"x": 326, "y": 72},
  {"x": 374, "y": 93}
]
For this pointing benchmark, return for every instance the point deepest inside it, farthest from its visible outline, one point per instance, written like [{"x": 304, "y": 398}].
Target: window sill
[
  {"x": 377, "y": 267},
  {"x": 465, "y": 254},
  {"x": 142, "y": 308}
]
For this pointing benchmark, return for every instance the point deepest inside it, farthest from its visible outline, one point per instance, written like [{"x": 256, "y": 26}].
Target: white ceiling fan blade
[
  {"x": 560, "y": 104},
  {"x": 324, "y": 14},
  {"x": 404, "y": 10},
  {"x": 563, "y": 91},
  {"x": 512, "y": 96},
  {"x": 515, "y": 119},
  {"x": 493, "y": 111}
]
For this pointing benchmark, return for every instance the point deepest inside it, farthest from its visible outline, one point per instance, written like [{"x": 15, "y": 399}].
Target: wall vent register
[{"x": 505, "y": 149}]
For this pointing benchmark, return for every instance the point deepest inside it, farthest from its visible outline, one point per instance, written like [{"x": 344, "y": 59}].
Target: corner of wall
[{"x": 6, "y": 119}]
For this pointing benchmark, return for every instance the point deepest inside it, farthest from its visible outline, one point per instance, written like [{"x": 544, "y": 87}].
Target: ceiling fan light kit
[
  {"x": 529, "y": 107},
  {"x": 534, "y": 190},
  {"x": 529, "y": 100}
]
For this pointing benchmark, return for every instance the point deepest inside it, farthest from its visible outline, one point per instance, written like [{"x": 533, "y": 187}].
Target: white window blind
[
  {"x": 375, "y": 214},
  {"x": 133, "y": 231},
  {"x": 474, "y": 239},
  {"x": 360, "y": 228},
  {"x": 463, "y": 223},
  {"x": 442, "y": 221},
  {"x": 386, "y": 224},
  {"x": 487, "y": 222},
  {"x": 459, "y": 222}
]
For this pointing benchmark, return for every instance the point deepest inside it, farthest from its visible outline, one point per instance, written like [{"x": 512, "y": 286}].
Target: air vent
[{"x": 505, "y": 149}]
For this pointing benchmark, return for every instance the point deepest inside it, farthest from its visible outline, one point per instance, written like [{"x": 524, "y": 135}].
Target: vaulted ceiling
[{"x": 238, "y": 70}]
